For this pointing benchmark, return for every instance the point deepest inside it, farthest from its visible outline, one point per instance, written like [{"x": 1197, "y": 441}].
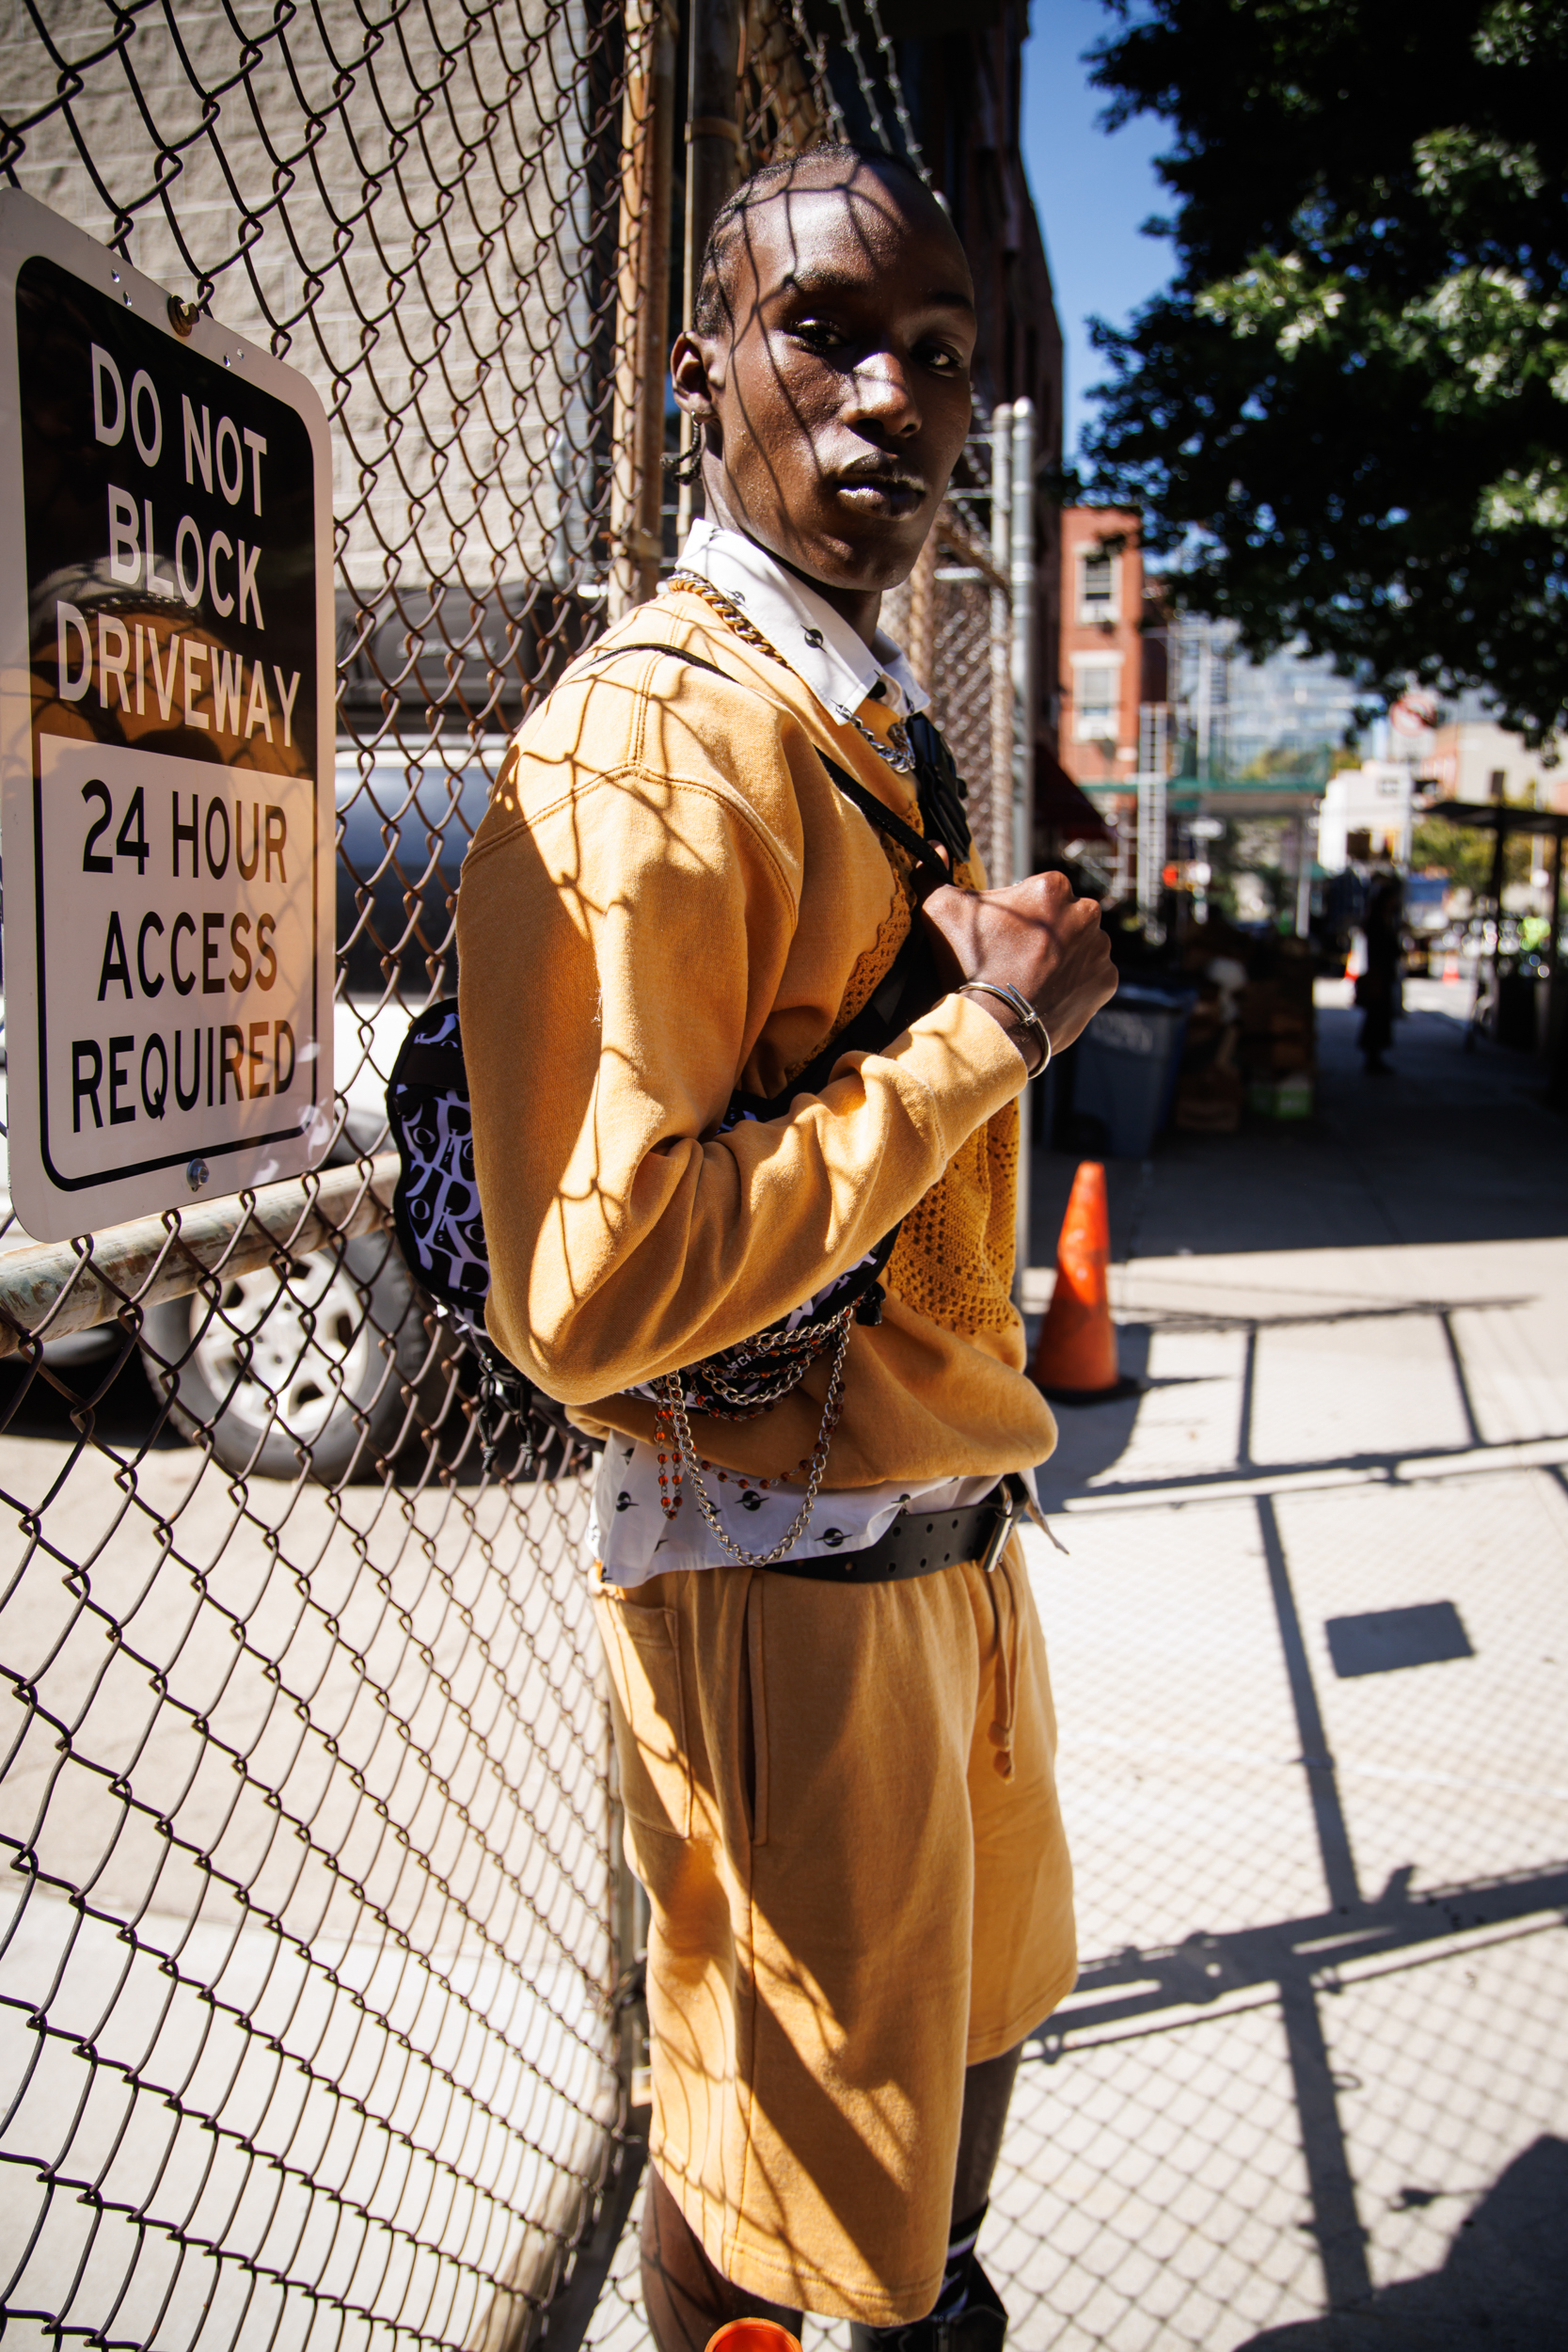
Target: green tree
[
  {"x": 1346, "y": 416},
  {"x": 1463, "y": 852}
]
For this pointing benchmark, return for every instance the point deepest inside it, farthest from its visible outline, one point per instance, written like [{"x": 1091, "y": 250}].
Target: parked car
[
  {"x": 404, "y": 831},
  {"x": 343, "y": 1358},
  {"x": 340, "y": 1358}
]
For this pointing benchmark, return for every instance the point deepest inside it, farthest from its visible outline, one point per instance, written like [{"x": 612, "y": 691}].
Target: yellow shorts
[{"x": 842, "y": 1801}]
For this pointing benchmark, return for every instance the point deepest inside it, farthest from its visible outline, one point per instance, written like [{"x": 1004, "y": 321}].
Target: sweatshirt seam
[{"x": 642, "y": 772}]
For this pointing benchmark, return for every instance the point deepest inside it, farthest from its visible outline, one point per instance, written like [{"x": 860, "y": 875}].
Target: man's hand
[{"x": 1034, "y": 934}]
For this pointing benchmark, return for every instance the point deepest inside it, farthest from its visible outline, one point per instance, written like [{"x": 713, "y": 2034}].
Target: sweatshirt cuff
[{"x": 965, "y": 1062}]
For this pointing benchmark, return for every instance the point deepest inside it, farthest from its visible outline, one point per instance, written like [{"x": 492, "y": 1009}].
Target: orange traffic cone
[
  {"x": 1075, "y": 1356},
  {"x": 753, "y": 2335}
]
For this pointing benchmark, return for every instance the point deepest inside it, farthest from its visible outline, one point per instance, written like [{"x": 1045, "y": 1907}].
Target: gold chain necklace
[{"x": 897, "y": 751}]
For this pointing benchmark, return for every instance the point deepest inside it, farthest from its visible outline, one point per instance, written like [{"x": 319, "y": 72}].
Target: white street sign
[{"x": 166, "y": 743}]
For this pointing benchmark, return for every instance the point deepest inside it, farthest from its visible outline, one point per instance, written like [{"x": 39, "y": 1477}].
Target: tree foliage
[
  {"x": 1346, "y": 416},
  {"x": 1465, "y": 853}
]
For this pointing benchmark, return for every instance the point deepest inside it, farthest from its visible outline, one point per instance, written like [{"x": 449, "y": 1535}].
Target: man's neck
[{"x": 861, "y": 607}]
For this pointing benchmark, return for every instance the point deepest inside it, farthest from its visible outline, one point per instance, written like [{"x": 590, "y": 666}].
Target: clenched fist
[{"x": 1034, "y": 934}]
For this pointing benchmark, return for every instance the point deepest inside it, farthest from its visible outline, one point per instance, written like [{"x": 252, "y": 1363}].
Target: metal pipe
[
  {"x": 714, "y": 37},
  {"x": 1000, "y": 626},
  {"x": 647, "y": 165},
  {"x": 1013, "y": 543},
  {"x": 49, "y": 1290},
  {"x": 1023, "y": 561},
  {"x": 1304, "y": 874}
]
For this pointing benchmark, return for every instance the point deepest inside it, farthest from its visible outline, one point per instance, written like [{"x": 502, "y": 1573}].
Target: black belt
[{"x": 920, "y": 1541}]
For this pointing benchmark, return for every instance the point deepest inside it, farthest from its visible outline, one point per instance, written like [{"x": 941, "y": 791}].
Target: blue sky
[{"x": 1092, "y": 192}]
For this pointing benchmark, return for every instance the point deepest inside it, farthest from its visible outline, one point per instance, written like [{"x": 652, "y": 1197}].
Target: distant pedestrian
[{"x": 1377, "y": 991}]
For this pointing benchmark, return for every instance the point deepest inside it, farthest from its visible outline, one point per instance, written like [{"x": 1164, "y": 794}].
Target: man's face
[{"x": 841, "y": 391}]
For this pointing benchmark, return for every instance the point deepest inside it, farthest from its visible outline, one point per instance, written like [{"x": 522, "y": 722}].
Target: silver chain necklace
[
  {"x": 675, "y": 1405},
  {"x": 897, "y": 751}
]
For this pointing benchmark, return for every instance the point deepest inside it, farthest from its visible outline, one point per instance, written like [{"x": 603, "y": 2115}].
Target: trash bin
[
  {"x": 1125, "y": 1065},
  {"x": 1518, "y": 1003}
]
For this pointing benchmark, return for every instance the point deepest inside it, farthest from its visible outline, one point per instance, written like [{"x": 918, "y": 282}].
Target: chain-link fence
[
  {"x": 312, "y": 1952},
  {"x": 307, "y": 1986}
]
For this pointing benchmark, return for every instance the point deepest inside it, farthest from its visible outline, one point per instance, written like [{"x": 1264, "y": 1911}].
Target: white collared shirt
[
  {"x": 628, "y": 1533},
  {"x": 818, "y": 644}
]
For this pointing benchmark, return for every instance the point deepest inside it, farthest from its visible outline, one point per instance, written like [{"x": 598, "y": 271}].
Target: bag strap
[
  {"x": 907, "y": 989},
  {"x": 915, "y": 845}
]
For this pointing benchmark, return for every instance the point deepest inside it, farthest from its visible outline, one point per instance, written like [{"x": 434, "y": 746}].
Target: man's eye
[
  {"x": 944, "y": 361},
  {"x": 817, "y": 334}
]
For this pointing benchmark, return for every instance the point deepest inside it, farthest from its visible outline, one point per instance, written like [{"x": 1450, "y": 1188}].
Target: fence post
[
  {"x": 1022, "y": 558},
  {"x": 647, "y": 153},
  {"x": 1001, "y": 632},
  {"x": 1024, "y": 634},
  {"x": 714, "y": 37}
]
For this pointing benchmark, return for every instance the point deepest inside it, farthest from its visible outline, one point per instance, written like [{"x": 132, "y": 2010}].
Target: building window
[
  {"x": 1097, "y": 692},
  {"x": 1097, "y": 586},
  {"x": 1496, "y": 784}
]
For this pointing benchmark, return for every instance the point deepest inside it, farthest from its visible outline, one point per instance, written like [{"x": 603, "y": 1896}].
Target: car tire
[{"x": 333, "y": 1369}]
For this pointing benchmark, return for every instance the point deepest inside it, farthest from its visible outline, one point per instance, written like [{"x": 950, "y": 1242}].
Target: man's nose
[{"x": 880, "y": 393}]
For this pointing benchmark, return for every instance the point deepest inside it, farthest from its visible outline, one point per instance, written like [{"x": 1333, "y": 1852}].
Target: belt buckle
[{"x": 1007, "y": 1514}]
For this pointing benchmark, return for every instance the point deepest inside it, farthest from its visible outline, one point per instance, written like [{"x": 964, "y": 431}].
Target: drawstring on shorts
[{"x": 1008, "y": 1667}]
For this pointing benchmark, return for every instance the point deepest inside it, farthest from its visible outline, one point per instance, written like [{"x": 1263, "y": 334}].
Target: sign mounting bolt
[
  {"x": 181, "y": 317},
  {"x": 196, "y": 1174}
]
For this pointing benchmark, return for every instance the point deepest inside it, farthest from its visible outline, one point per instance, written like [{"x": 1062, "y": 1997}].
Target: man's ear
[{"x": 694, "y": 361}]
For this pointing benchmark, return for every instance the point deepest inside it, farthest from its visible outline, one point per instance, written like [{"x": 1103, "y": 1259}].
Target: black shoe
[{"x": 980, "y": 2326}]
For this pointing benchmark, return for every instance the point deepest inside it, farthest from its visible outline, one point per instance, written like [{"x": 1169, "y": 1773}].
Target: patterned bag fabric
[
  {"x": 435, "y": 1206},
  {"x": 436, "y": 1209}
]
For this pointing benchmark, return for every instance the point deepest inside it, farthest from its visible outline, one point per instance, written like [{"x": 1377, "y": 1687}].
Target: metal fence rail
[{"x": 310, "y": 1935}]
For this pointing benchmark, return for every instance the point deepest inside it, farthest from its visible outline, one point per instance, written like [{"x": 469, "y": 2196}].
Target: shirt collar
[{"x": 820, "y": 646}]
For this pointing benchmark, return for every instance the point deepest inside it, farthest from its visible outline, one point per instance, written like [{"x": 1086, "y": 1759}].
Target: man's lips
[{"x": 889, "y": 493}]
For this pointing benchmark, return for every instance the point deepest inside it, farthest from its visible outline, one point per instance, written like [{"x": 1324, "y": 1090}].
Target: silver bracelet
[{"x": 1022, "y": 1011}]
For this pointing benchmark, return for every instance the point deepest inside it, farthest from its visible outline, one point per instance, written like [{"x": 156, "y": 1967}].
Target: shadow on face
[{"x": 829, "y": 371}]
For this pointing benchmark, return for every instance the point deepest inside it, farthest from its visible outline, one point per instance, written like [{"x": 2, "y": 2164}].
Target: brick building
[{"x": 1113, "y": 650}]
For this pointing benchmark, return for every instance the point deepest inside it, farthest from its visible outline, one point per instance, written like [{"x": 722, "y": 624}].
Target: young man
[{"x": 836, "y": 1743}]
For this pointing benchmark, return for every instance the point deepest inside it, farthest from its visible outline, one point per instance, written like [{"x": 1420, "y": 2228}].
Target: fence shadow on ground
[{"x": 1503, "y": 2288}]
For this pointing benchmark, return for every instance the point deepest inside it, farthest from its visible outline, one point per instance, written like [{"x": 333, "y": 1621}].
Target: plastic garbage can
[
  {"x": 1518, "y": 1013},
  {"x": 1126, "y": 1063}
]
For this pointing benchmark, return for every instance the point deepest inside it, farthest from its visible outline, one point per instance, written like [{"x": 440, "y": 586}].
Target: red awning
[{"x": 1061, "y": 807}]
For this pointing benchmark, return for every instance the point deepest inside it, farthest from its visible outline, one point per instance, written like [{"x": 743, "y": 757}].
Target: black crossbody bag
[{"x": 435, "y": 1207}]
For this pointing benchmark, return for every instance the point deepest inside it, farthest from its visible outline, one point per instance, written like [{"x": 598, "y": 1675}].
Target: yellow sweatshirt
[{"x": 670, "y": 897}]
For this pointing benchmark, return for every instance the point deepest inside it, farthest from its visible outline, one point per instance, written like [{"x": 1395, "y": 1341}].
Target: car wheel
[{"x": 331, "y": 1367}]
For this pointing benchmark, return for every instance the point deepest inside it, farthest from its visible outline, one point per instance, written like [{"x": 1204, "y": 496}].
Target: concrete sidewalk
[{"x": 1311, "y": 1649}]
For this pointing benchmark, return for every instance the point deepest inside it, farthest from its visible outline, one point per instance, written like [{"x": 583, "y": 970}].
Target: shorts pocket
[{"x": 643, "y": 1651}]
